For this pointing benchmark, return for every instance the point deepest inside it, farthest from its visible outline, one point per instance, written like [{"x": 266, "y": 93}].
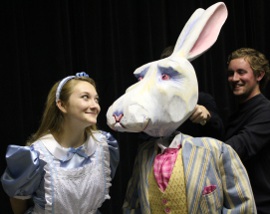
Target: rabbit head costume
[{"x": 204, "y": 175}]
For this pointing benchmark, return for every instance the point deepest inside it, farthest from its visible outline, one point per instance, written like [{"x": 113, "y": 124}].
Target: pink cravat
[{"x": 163, "y": 166}]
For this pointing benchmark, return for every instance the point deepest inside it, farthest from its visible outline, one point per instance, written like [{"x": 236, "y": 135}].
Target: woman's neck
[{"x": 70, "y": 138}]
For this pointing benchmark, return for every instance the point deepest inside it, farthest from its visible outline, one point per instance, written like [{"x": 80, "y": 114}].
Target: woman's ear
[
  {"x": 61, "y": 106},
  {"x": 260, "y": 75}
]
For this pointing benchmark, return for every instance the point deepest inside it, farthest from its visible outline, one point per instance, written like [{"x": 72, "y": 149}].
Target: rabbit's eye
[
  {"x": 167, "y": 73},
  {"x": 165, "y": 77},
  {"x": 140, "y": 78}
]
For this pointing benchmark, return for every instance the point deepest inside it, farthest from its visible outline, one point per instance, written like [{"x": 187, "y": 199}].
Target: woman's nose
[{"x": 94, "y": 104}]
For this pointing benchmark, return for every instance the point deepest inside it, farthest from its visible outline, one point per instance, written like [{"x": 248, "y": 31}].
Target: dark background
[{"x": 42, "y": 41}]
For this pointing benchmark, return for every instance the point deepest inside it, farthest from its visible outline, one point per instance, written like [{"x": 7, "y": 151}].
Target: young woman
[{"x": 68, "y": 164}]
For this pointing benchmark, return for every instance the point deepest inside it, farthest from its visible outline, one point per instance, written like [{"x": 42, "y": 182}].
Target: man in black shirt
[{"x": 248, "y": 130}]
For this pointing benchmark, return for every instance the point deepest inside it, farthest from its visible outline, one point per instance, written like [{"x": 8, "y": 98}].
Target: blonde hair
[
  {"x": 257, "y": 61},
  {"x": 52, "y": 117}
]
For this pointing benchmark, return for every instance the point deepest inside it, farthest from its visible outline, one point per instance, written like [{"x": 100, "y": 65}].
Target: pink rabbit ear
[
  {"x": 210, "y": 31},
  {"x": 201, "y": 31}
]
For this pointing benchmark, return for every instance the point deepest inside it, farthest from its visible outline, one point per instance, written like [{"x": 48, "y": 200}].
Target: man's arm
[
  {"x": 253, "y": 137},
  {"x": 206, "y": 113}
]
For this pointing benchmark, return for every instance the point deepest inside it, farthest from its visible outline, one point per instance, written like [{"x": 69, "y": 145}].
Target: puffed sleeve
[
  {"x": 114, "y": 152},
  {"x": 23, "y": 173}
]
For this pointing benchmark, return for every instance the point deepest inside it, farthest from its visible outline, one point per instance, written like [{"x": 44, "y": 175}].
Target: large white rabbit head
[{"x": 167, "y": 91}]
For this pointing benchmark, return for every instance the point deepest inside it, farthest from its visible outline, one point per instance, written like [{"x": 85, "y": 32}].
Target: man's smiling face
[{"x": 242, "y": 80}]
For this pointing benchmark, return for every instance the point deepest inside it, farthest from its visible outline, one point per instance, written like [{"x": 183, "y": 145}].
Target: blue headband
[{"x": 65, "y": 80}]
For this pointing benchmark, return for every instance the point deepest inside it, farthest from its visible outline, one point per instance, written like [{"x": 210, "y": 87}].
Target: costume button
[
  {"x": 164, "y": 201},
  {"x": 167, "y": 210}
]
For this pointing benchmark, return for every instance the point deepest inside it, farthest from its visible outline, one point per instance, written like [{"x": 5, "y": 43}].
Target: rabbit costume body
[{"x": 213, "y": 177}]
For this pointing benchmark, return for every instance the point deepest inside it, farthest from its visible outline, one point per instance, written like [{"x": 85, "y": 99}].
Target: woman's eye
[
  {"x": 165, "y": 77},
  {"x": 85, "y": 97}
]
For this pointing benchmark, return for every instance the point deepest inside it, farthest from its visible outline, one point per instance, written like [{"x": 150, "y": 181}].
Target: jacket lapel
[{"x": 196, "y": 161}]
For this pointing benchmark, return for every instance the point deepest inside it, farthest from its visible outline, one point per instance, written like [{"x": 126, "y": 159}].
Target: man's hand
[{"x": 200, "y": 115}]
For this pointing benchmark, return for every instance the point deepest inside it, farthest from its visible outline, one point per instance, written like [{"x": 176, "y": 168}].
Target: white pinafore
[{"x": 79, "y": 190}]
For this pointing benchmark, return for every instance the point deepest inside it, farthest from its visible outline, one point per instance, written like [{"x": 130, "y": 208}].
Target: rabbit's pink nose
[{"x": 118, "y": 117}]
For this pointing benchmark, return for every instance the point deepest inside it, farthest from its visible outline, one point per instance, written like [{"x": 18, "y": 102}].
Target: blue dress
[{"x": 62, "y": 180}]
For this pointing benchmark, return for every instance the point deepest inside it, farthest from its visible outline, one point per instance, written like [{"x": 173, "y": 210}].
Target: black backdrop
[{"x": 43, "y": 41}]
